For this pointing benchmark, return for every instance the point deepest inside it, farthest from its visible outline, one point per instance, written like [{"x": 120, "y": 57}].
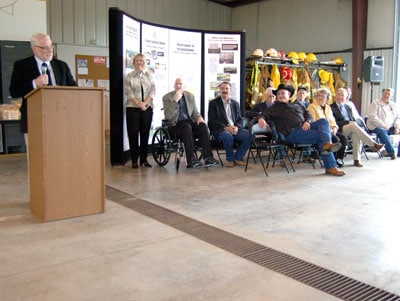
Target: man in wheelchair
[{"x": 181, "y": 111}]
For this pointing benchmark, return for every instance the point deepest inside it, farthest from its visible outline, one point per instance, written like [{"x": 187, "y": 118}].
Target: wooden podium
[{"x": 66, "y": 152}]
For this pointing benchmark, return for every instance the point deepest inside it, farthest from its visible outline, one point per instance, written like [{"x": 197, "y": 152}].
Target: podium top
[{"x": 63, "y": 88}]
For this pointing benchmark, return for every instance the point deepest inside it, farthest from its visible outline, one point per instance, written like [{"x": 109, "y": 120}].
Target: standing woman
[{"x": 140, "y": 91}]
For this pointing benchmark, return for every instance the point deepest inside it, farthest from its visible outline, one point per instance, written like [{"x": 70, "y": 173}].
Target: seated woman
[
  {"x": 349, "y": 127},
  {"x": 320, "y": 108}
]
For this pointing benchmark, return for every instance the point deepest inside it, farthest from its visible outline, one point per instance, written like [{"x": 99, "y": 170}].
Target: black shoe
[
  {"x": 135, "y": 165},
  {"x": 145, "y": 164},
  {"x": 340, "y": 162},
  {"x": 211, "y": 162},
  {"x": 195, "y": 163}
]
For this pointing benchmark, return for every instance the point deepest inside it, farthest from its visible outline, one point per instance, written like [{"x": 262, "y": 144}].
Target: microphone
[{"x": 43, "y": 69}]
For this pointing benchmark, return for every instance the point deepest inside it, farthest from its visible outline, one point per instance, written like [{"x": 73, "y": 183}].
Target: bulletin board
[{"x": 92, "y": 71}]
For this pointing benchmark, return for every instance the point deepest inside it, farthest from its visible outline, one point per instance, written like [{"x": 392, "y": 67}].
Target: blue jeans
[
  {"x": 319, "y": 134},
  {"x": 244, "y": 138},
  {"x": 383, "y": 136}
]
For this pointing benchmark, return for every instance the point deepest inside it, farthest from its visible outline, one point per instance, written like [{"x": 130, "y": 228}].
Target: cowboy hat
[{"x": 284, "y": 87}]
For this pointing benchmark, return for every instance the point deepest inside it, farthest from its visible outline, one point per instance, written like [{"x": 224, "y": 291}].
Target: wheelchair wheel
[
  {"x": 177, "y": 162},
  {"x": 161, "y": 144}
]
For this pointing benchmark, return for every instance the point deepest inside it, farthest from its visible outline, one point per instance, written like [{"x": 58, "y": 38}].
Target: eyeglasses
[{"x": 45, "y": 47}]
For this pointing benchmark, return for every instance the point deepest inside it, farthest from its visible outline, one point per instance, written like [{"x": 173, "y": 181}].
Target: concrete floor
[{"x": 349, "y": 225}]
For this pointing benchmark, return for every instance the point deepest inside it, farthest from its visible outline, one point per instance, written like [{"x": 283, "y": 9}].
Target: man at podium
[{"x": 37, "y": 71}]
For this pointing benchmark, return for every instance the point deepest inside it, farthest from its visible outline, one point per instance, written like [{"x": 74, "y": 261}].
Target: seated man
[
  {"x": 224, "y": 120},
  {"x": 253, "y": 114},
  {"x": 260, "y": 107},
  {"x": 181, "y": 110},
  {"x": 349, "y": 127},
  {"x": 294, "y": 122},
  {"x": 352, "y": 106},
  {"x": 301, "y": 97},
  {"x": 384, "y": 120}
]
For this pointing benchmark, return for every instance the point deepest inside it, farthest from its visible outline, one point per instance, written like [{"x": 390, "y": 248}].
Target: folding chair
[
  {"x": 265, "y": 146},
  {"x": 299, "y": 149}
]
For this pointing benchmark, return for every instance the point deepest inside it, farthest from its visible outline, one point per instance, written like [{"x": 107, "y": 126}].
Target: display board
[{"x": 170, "y": 53}]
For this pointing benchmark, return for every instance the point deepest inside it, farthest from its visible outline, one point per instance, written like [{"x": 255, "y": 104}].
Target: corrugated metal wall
[
  {"x": 376, "y": 90},
  {"x": 73, "y": 21},
  {"x": 366, "y": 90}
]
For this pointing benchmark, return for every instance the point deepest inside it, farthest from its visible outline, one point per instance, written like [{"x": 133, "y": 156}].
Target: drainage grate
[{"x": 330, "y": 282}]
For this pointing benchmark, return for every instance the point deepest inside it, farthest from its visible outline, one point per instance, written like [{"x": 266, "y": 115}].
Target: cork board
[{"x": 92, "y": 71}]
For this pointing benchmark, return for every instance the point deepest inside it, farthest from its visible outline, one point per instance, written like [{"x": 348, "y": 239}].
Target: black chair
[
  {"x": 265, "y": 146},
  {"x": 349, "y": 148},
  {"x": 218, "y": 146},
  {"x": 363, "y": 124},
  {"x": 298, "y": 150}
]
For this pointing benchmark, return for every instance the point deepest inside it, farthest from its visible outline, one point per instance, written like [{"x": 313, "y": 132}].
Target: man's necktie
[
  {"x": 46, "y": 69},
  {"x": 344, "y": 112}
]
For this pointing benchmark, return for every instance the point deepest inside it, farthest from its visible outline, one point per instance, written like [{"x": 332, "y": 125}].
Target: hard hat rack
[
  {"x": 288, "y": 62},
  {"x": 257, "y": 81}
]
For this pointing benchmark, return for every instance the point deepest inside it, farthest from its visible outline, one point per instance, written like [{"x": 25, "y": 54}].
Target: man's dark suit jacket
[
  {"x": 339, "y": 116},
  {"x": 217, "y": 119},
  {"x": 25, "y": 71}
]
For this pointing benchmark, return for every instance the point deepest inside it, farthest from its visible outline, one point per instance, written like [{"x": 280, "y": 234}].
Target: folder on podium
[{"x": 66, "y": 148}]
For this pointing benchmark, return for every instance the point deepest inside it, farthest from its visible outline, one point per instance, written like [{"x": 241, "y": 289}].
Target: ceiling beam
[{"x": 235, "y": 3}]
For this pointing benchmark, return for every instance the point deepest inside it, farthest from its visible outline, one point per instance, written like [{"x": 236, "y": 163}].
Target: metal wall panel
[
  {"x": 90, "y": 23},
  {"x": 68, "y": 26},
  {"x": 368, "y": 90},
  {"x": 85, "y": 22},
  {"x": 372, "y": 91},
  {"x": 55, "y": 21},
  {"x": 79, "y": 18}
]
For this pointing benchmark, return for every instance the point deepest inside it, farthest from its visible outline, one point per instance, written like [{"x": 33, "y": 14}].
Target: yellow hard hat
[
  {"x": 271, "y": 52},
  {"x": 310, "y": 58},
  {"x": 323, "y": 75},
  {"x": 338, "y": 60},
  {"x": 258, "y": 52},
  {"x": 293, "y": 55},
  {"x": 302, "y": 55}
]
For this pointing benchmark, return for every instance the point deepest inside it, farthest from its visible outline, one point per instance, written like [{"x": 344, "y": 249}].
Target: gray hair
[
  {"x": 388, "y": 89},
  {"x": 38, "y": 36},
  {"x": 325, "y": 91}
]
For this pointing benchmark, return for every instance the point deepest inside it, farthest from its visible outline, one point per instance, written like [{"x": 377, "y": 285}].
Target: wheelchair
[{"x": 165, "y": 142}]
